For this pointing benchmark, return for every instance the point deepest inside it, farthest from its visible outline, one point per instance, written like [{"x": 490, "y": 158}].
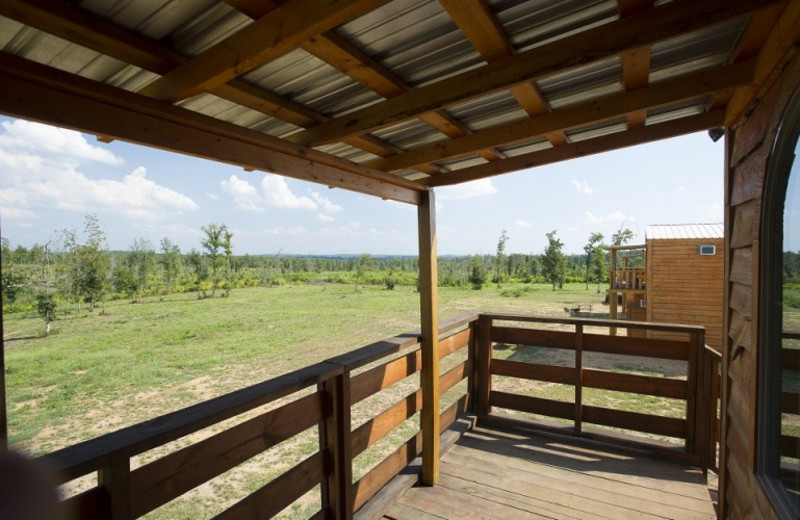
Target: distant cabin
[{"x": 676, "y": 277}]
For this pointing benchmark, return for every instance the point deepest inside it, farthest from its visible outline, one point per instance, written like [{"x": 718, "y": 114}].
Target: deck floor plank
[{"x": 498, "y": 474}]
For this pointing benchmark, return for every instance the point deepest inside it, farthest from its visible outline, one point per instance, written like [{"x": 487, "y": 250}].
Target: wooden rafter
[
  {"x": 268, "y": 37},
  {"x": 342, "y": 55},
  {"x": 631, "y": 137},
  {"x": 677, "y": 17},
  {"x": 749, "y": 45},
  {"x": 94, "y": 33},
  {"x": 779, "y": 46},
  {"x": 636, "y": 62},
  {"x": 663, "y": 93},
  {"x": 40, "y": 93},
  {"x": 482, "y": 29}
]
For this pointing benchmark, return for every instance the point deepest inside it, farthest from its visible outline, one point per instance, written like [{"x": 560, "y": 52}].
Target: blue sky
[{"x": 50, "y": 178}]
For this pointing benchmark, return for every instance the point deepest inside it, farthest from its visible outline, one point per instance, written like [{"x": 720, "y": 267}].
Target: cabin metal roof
[
  {"x": 389, "y": 98},
  {"x": 684, "y": 231}
]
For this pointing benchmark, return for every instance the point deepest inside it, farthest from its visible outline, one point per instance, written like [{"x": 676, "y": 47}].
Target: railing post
[
  {"x": 694, "y": 401},
  {"x": 474, "y": 378},
  {"x": 483, "y": 365},
  {"x": 578, "y": 377},
  {"x": 116, "y": 478},
  {"x": 335, "y": 445}
]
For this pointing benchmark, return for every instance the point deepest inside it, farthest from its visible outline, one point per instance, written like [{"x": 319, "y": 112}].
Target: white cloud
[
  {"x": 278, "y": 194},
  {"x": 20, "y": 135},
  {"x": 325, "y": 218},
  {"x": 275, "y": 192},
  {"x": 212, "y": 196},
  {"x": 53, "y": 178},
  {"x": 582, "y": 187},
  {"x": 523, "y": 223},
  {"x": 244, "y": 194},
  {"x": 324, "y": 203},
  {"x": 467, "y": 190}
]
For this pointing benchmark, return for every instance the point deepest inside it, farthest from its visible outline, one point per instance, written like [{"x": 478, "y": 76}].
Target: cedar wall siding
[
  {"x": 685, "y": 287},
  {"x": 752, "y": 139}
]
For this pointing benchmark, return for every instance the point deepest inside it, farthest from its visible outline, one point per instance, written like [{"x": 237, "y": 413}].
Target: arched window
[{"x": 779, "y": 361}]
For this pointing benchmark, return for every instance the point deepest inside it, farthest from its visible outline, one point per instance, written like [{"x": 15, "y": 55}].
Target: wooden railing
[
  {"x": 698, "y": 389},
  {"x": 629, "y": 278},
  {"x": 790, "y": 395},
  {"x": 321, "y": 397}
]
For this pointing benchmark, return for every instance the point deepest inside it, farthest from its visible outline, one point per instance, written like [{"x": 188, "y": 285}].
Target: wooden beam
[
  {"x": 480, "y": 27},
  {"x": 606, "y": 143},
  {"x": 429, "y": 344},
  {"x": 40, "y": 93},
  {"x": 779, "y": 46},
  {"x": 636, "y": 62},
  {"x": 671, "y": 19},
  {"x": 532, "y": 101},
  {"x": 664, "y": 93},
  {"x": 268, "y": 37},
  {"x": 341, "y": 54}
]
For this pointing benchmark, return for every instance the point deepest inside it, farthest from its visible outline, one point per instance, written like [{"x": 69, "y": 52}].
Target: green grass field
[{"x": 100, "y": 371}]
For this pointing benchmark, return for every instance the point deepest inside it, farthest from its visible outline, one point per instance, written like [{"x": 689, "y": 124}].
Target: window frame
[{"x": 768, "y": 430}]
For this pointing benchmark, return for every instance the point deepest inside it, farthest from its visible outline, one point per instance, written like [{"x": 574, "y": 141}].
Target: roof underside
[{"x": 389, "y": 98}]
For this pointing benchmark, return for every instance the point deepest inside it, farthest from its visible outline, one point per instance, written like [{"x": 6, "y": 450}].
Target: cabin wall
[
  {"x": 686, "y": 287},
  {"x": 750, "y": 143}
]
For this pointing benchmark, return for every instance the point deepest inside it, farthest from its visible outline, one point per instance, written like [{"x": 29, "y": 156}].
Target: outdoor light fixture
[{"x": 716, "y": 133}]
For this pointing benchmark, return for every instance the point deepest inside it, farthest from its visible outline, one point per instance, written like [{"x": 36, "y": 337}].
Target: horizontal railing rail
[
  {"x": 212, "y": 438},
  {"x": 321, "y": 397},
  {"x": 582, "y": 336}
]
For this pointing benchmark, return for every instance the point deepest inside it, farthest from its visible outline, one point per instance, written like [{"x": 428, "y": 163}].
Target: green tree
[
  {"x": 365, "y": 263},
  {"x": 171, "y": 262},
  {"x": 477, "y": 272},
  {"x": 92, "y": 265},
  {"x": 46, "y": 307},
  {"x": 622, "y": 236},
  {"x": 554, "y": 263},
  {"x": 501, "y": 250},
  {"x": 590, "y": 248},
  {"x": 142, "y": 263},
  {"x": 599, "y": 265},
  {"x": 217, "y": 250},
  {"x": 12, "y": 278}
]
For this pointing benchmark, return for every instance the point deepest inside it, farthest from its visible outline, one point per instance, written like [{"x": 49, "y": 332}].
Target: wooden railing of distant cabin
[{"x": 324, "y": 393}]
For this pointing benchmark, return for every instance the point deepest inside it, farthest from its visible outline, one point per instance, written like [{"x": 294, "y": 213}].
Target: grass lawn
[{"x": 100, "y": 371}]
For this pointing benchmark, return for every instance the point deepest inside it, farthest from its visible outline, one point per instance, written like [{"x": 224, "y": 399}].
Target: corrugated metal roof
[
  {"x": 415, "y": 44},
  {"x": 684, "y": 231}
]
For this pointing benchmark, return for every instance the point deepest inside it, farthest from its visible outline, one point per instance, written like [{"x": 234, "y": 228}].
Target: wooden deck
[{"x": 492, "y": 473}]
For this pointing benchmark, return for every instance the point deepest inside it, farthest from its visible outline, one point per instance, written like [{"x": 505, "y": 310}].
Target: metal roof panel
[{"x": 684, "y": 231}]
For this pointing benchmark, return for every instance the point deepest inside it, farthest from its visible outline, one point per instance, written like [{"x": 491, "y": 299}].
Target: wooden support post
[
  {"x": 484, "y": 364},
  {"x": 335, "y": 445},
  {"x": 578, "y": 377},
  {"x": 116, "y": 478},
  {"x": 429, "y": 322}
]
